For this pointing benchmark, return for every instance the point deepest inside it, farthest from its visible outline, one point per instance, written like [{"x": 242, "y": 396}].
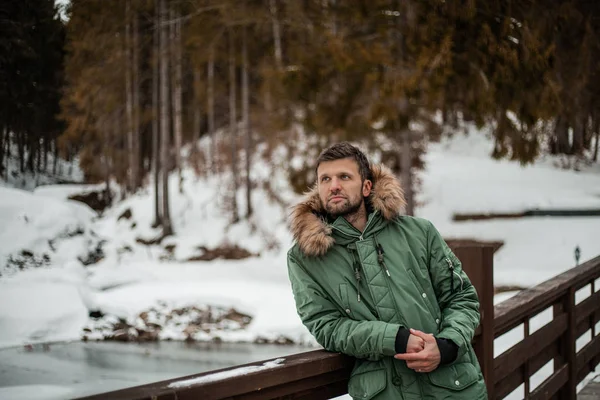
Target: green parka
[{"x": 354, "y": 298}]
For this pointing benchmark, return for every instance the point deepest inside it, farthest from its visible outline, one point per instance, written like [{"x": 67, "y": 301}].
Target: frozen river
[{"x": 66, "y": 370}]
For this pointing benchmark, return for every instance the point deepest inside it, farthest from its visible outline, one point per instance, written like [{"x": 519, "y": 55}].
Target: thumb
[{"x": 425, "y": 336}]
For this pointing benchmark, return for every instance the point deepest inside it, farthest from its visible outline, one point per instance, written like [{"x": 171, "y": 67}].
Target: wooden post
[
  {"x": 478, "y": 264},
  {"x": 567, "y": 347}
]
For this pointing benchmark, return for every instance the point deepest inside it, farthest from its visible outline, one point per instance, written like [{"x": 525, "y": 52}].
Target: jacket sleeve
[
  {"x": 333, "y": 330},
  {"x": 456, "y": 295}
]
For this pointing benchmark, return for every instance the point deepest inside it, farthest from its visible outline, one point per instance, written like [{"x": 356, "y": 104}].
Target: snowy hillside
[{"x": 140, "y": 292}]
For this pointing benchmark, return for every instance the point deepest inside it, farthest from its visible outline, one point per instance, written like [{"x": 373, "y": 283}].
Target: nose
[{"x": 335, "y": 185}]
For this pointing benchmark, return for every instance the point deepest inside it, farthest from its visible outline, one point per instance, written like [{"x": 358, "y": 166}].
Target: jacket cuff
[
  {"x": 388, "y": 347},
  {"x": 448, "y": 350},
  {"x": 402, "y": 340},
  {"x": 456, "y": 338}
]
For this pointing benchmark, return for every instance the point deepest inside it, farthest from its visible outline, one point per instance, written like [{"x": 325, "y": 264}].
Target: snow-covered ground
[
  {"x": 460, "y": 177},
  {"x": 51, "y": 301}
]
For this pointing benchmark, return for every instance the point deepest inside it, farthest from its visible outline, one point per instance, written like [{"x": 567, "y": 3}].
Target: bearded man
[{"x": 382, "y": 287}]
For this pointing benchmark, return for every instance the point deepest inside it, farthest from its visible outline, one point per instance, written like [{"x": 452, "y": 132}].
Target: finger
[
  {"x": 425, "y": 336},
  {"x": 416, "y": 365},
  {"x": 410, "y": 356},
  {"x": 414, "y": 350},
  {"x": 421, "y": 363}
]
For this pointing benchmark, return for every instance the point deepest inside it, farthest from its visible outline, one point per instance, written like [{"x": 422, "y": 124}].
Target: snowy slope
[
  {"x": 460, "y": 177},
  {"x": 39, "y": 226},
  {"x": 133, "y": 278}
]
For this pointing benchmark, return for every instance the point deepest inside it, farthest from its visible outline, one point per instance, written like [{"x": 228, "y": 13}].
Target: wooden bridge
[{"x": 570, "y": 301}]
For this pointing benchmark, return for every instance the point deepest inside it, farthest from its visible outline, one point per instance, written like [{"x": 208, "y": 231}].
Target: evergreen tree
[{"x": 31, "y": 57}]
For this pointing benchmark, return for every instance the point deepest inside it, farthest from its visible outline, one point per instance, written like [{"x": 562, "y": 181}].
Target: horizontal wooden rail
[
  {"x": 309, "y": 374},
  {"x": 528, "y": 303},
  {"x": 555, "y": 340},
  {"x": 323, "y": 375}
]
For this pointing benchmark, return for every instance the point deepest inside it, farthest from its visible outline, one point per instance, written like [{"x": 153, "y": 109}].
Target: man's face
[{"x": 340, "y": 188}]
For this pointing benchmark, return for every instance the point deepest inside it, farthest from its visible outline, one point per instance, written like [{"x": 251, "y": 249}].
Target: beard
[{"x": 344, "y": 208}]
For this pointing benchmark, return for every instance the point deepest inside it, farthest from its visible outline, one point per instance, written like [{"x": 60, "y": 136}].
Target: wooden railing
[
  {"x": 322, "y": 375},
  {"x": 555, "y": 340}
]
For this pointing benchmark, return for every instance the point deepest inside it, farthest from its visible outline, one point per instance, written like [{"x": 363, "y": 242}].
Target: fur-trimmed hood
[{"x": 307, "y": 222}]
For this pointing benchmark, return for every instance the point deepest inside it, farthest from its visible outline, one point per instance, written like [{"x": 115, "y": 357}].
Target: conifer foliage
[
  {"x": 31, "y": 56},
  {"x": 146, "y": 77}
]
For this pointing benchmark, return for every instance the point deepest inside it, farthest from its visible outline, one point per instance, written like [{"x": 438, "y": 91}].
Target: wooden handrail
[
  {"x": 322, "y": 375},
  {"x": 309, "y": 373},
  {"x": 555, "y": 340},
  {"x": 511, "y": 312}
]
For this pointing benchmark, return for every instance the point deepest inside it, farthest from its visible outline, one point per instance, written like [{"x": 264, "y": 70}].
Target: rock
[
  {"x": 96, "y": 200},
  {"x": 96, "y": 314},
  {"x": 127, "y": 214},
  {"x": 191, "y": 329},
  {"x": 238, "y": 317},
  {"x": 26, "y": 253},
  {"x": 120, "y": 336},
  {"x": 226, "y": 252},
  {"x": 147, "y": 336},
  {"x": 93, "y": 256}
]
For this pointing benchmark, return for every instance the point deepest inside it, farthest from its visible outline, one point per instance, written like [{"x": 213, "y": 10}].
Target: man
[{"x": 382, "y": 287}]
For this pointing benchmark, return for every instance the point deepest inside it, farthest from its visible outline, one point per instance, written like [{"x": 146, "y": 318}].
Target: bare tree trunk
[
  {"x": 406, "y": 158},
  {"x": 164, "y": 118},
  {"x": 560, "y": 141},
  {"x": 596, "y": 125},
  {"x": 136, "y": 158},
  {"x": 176, "y": 55},
  {"x": 45, "y": 154},
  {"x": 7, "y": 151},
  {"x": 156, "y": 153},
  {"x": 71, "y": 159},
  {"x": 107, "y": 164},
  {"x": 32, "y": 153},
  {"x": 3, "y": 135},
  {"x": 128, "y": 97},
  {"x": 246, "y": 122},
  {"x": 578, "y": 136},
  {"x": 276, "y": 35},
  {"x": 588, "y": 132},
  {"x": 211, "y": 110},
  {"x": 38, "y": 156},
  {"x": 197, "y": 125},
  {"x": 55, "y": 161},
  {"x": 232, "y": 125},
  {"x": 21, "y": 151}
]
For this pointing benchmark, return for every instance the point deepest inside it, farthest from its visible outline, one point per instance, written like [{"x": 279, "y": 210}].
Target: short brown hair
[{"x": 342, "y": 150}]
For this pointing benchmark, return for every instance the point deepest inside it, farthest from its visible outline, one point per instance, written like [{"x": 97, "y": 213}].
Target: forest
[{"x": 124, "y": 85}]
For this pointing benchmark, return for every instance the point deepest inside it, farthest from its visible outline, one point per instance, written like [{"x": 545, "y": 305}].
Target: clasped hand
[{"x": 422, "y": 352}]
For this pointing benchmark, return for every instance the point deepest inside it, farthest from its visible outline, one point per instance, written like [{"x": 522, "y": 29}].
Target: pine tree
[{"x": 164, "y": 118}]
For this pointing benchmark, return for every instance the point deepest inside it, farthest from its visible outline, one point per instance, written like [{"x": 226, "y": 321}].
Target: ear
[{"x": 366, "y": 189}]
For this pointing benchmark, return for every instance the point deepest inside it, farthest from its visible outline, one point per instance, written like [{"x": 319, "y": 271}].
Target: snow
[
  {"x": 41, "y": 225},
  {"x": 55, "y": 296},
  {"x": 228, "y": 374},
  {"x": 461, "y": 178},
  {"x": 46, "y": 311}
]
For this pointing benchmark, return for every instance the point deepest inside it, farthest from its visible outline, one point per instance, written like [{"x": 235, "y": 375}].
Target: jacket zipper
[
  {"x": 451, "y": 267},
  {"x": 380, "y": 259},
  {"x": 356, "y": 269}
]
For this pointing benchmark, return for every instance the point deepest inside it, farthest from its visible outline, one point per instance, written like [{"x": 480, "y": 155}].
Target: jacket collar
[{"x": 308, "y": 222}]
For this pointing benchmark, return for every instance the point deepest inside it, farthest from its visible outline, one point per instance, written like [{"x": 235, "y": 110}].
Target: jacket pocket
[
  {"x": 454, "y": 377},
  {"x": 368, "y": 383},
  {"x": 345, "y": 299}
]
